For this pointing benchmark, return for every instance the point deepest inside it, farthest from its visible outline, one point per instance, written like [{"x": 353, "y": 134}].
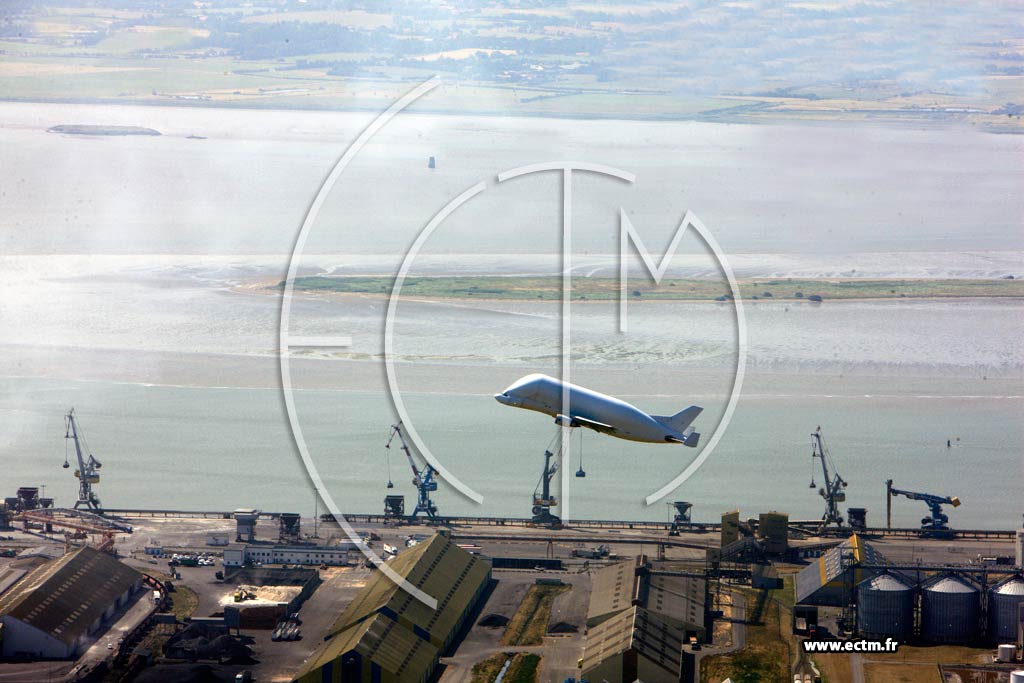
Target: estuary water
[{"x": 137, "y": 279}]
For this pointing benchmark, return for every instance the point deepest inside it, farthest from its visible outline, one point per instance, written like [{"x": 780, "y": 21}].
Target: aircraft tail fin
[{"x": 681, "y": 420}]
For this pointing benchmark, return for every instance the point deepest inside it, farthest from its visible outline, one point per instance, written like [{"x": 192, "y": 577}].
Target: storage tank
[
  {"x": 885, "y": 608},
  {"x": 1006, "y": 653},
  {"x": 1004, "y": 599},
  {"x": 949, "y": 610},
  {"x": 1017, "y": 677}
]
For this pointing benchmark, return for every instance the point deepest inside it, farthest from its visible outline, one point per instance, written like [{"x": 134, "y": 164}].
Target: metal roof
[
  {"x": 379, "y": 640},
  {"x": 636, "y": 628},
  {"x": 619, "y": 586},
  {"x": 824, "y": 580},
  {"x": 436, "y": 566},
  {"x": 1012, "y": 586},
  {"x": 885, "y": 583},
  {"x": 613, "y": 589},
  {"x": 65, "y": 596},
  {"x": 678, "y": 599},
  {"x": 950, "y": 584}
]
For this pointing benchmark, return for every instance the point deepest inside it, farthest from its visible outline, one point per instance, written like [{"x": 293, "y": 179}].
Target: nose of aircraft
[{"x": 506, "y": 399}]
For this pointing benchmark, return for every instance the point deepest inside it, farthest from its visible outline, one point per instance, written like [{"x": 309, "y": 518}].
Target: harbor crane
[
  {"x": 543, "y": 500},
  {"x": 833, "y": 492},
  {"x": 87, "y": 467},
  {"x": 937, "y": 521},
  {"x": 422, "y": 478}
]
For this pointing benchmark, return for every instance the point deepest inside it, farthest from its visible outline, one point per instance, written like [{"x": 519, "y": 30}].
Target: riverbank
[
  {"x": 679, "y": 289},
  {"x": 85, "y": 129}
]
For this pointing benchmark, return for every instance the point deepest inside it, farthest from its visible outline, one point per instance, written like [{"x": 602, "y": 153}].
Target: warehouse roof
[
  {"x": 822, "y": 581},
  {"x": 679, "y": 599},
  {"x": 65, "y": 596},
  {"x": 652, "y": 637},
  {"x": 437, "y": 567},
  {"x": 380, "y": 640},
  {"x": 618, "y": 587},
  {"x": 613, "y": 589}
]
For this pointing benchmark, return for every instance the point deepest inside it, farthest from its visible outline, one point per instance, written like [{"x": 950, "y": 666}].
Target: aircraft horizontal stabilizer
[{"x": 690, "y": 438}]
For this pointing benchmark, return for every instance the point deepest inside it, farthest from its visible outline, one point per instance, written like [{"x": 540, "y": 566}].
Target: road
[
  {"x": 559, "y": 653},
  {"x": 33, "y": 672},
  {"x": 739, "y": 635},
  {"x": 857, "y": 667}
]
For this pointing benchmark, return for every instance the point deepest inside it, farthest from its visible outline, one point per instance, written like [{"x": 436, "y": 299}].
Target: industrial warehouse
[
  {"x": 50, "y": 611},
  {"x": 255, "y": 595},
  {"x": 387, "y": 634},
  {"x": 942, "y": 604}
]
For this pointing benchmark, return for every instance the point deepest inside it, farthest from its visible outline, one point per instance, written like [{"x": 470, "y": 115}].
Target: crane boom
[
  {"x": 422, "y": 478},
  {"x": 938, "y": 519},
  {"x": 86, "y": 472},
  {"x": 832, "y": 492}
]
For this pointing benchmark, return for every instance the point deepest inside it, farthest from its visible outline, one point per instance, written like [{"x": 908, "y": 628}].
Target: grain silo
[
  {"x": 949, "y": 610},
  {"x": 885, "y": 608},
  {"x": 1005, "y": 600}
]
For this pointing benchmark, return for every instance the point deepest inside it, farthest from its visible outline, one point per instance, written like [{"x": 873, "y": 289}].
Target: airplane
[{"x": 602, "y": 413}]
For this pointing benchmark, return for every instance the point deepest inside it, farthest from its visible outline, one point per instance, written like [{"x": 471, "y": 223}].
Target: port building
[
  {"x": 387, "y": 635},
  {"x": 55, "y": 609},
  {"x": 638, "y": 621},
  {"x": 376, "y": 649},
  {"x": 635, "y": 644},
  {"x": 831, "y": 578},
  {"x": 240, "y": 555},
  {"x": 678, "y": 600}
]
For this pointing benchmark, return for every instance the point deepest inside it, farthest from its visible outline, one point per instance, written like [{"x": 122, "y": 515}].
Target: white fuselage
[{"x": 546, "y": 395}]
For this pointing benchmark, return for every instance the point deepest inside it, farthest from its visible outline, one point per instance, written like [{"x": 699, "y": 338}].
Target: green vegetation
[
  {"x": 839, "y": 60},
  {"x": 523, "y": 669},
  {"x": 768, "y": 652},
  {"x": 549, "y": 288},
  {"x": 78, "y": 129},
  {"x": 787, "y": 594},
  {"x": 530, "y": 622},
  {"x": 487, "y": 670},
  {"x": 184, "y": 602}
]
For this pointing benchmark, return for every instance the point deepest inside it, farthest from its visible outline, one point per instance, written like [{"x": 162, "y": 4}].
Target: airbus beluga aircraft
[{"x": 602, "y": 413}]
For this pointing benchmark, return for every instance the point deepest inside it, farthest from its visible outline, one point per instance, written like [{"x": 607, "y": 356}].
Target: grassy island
[
  {"x": 599, "y": 289},
  {"x": 82, "y": 129}
]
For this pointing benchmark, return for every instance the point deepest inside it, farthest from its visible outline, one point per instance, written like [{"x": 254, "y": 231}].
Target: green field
[
  {"x": 646, "y": 60},
  {"x": 530, "y": 622},
  {"x": 523, "y": 668},
  {"x": 602, "y": 289}
]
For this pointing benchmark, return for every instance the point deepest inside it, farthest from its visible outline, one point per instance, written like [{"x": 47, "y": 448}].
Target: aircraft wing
[{"x": 593, "y": 424}]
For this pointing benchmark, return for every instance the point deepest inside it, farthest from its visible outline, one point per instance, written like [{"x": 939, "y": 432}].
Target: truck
[
  {"x": 597, "y": 553},
  {"x": 243, "y": 677}
]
